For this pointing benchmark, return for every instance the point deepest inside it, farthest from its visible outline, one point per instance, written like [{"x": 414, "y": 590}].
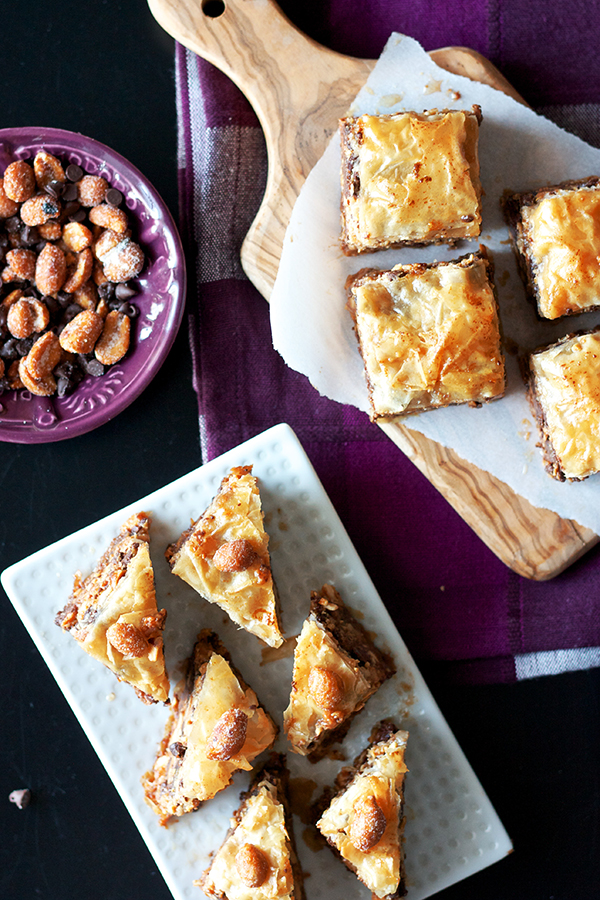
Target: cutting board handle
[{"x": 298, "y": 89}]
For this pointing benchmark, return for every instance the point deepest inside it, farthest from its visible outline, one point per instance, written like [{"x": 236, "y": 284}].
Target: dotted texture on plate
[{"x": 451, "y": 828}]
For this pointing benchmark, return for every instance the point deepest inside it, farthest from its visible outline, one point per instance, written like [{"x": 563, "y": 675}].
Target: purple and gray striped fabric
[{"x": 454, "y": 602}]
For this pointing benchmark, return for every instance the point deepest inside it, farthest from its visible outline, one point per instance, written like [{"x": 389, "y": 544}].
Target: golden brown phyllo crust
[
  {"x": 258, "y": 856},
  {"x": 224, "y": 556},
  {"x": 362, "y": 816},
  {"x": 429, "y": 335},
  {"x": 555, "y": 234},
  {"x": 216, "y": 728},
  {"x": 409, "y": 179},
  {"x": 337, "y": 668},
  {"x": 112, "y": 612}
]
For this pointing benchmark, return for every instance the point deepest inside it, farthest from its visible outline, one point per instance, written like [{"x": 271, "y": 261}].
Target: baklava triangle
[
  {"x": 337, "y": 667},
  {"x": 364, "y": 821},
  {"x": 224, "y": 556},
  {"x": 257, "y": 860},
  {"x": 216, "y": 728},
  {"x": 112, "y": 613}
]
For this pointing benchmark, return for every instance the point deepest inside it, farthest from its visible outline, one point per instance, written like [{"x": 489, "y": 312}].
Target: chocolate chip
[
  {"x": 29, "y": 235},
  {"x": 114, "y": 197},
  {"x": 24, "y": 345},
  {"x": 54, "y": 188},
  {"x": 129, "y": 309},
  {"x": 20, "y": 798},
  {"x": 93, "y": 367},
  {"x": 74, "y": 172},
  {"x": 9, "y": 349},
  {"x": 63, "y": 298},
  {"x": 13, "y": 224},
  {"x": 70, "y": 312},
  {"x": 78, "y": 216},
  {"x": 124, "y": 291},
  {"x": 52, "y": 304},
  {"x": 70, "y": 193},
  {"x": 71, "y": 209},
  {"x": 177, "y": 749},
  {"x": 106, "y": 291}
]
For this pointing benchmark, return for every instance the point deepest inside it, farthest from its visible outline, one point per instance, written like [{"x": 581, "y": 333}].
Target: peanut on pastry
[
  {"x": 367, "y": 825},
  {"x": 228, "y": 736},
  {"x": 252, "y": 865}
]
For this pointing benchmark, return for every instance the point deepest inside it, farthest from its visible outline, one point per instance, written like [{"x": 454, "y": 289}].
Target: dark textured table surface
[{"x": 106, "y": 70}]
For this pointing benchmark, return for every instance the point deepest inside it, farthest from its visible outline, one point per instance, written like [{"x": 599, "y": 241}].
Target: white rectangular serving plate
[{"x": 451, "y": 831}]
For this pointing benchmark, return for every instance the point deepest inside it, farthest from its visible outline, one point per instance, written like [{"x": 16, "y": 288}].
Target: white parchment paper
[{"x": 312, "y": 330}]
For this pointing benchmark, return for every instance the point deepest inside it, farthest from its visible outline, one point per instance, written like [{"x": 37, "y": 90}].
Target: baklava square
[
  {"x": 409, "y": 179},
  {"x": 429, "y": 335},
  {"x": 564, "y": 392},
  {"x": 555, "y": 233}
]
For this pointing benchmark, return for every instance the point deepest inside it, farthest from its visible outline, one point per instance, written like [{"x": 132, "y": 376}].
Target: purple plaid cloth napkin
[{"x": 453, "y": 601}]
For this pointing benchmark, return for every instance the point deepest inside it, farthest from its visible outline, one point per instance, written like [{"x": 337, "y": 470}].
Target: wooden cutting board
[{"x": 299, "y": 89}]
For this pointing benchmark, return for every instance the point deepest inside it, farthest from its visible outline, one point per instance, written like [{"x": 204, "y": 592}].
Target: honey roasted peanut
[
  {"x": 81, "y": 333},
  {"x": 50, "y": 269},
  {"x": 114, "y": 340},
  {"x": 367, "y": 825},
  {"x": 44, "y": 356},
  {"x": 234, "y": 556},
  {"x": 43, "y": 387},
  {"x": 326, "y": 688},
  {"x": 76, "y": 236},
  {"x": 26, "y": 317},
  {"x": 109, "y": 217},
  {"x": 252, "y": 865},
  {"x": 8, "y": 207},
  {"x": 22, "y": 263},
  {"x": 228, "y": 736},
  {"x": 50, "y": 231},
  {"x": 91, "y": 190},
  {"x": 80, "y": 272},
  {"x": 39, "y": 209},
  {"x": 124, "y": 262},
  {"x": 19, "y": 181},
  {"x": 106, "y": 241},
  {"x": 127, "y": 639},
  {"x": 47, "y": 169},
  {"x": 87, "y": 296}
]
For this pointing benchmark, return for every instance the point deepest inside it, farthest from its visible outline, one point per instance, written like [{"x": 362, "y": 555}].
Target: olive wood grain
[{"x": 298, "y": 90}]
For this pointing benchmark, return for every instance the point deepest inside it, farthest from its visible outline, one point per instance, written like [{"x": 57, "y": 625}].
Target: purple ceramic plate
[{"x": 27, "y": 419}]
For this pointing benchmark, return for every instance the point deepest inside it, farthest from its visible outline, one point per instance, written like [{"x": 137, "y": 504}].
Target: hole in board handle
[{"x": 213, "y": 8}]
